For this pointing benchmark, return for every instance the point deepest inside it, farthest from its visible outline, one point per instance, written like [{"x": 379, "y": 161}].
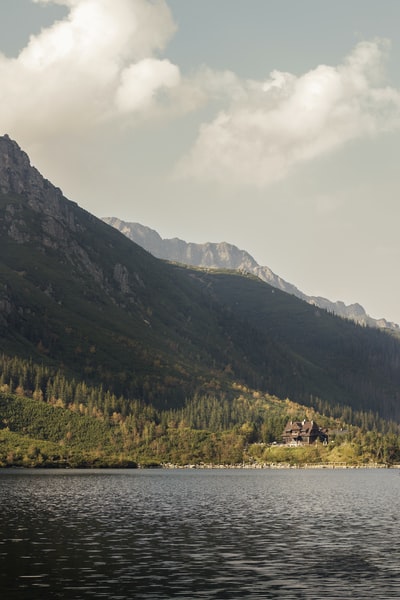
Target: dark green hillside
[
  {"x": 329, "y": 357},
  {"x": 78, "y": 296},
  {"x": 117, "y": 316}
]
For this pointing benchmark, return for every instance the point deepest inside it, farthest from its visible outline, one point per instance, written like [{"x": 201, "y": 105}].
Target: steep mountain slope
[
  {"x": 228, "y": 256},
  {"x": 74, "y": 290},
  {"x": 76, "y": 293}
]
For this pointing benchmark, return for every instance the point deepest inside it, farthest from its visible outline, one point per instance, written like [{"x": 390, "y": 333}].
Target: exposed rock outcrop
[{"x": 58, "y": 226}]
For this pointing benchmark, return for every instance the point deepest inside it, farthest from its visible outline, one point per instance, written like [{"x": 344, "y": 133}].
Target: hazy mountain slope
[
  {"x": 76, "y": 293},
  {"x": 228, "y": 256}
]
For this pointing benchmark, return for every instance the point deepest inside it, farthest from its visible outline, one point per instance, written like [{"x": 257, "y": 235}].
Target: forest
[{"x": 51, "y": 420}]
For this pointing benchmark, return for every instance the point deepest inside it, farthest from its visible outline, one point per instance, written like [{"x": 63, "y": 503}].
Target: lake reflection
[{"x": 156, "y": 534}]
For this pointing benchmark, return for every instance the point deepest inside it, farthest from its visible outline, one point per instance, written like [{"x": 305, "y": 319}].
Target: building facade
[{"x": 303, "y": 433}]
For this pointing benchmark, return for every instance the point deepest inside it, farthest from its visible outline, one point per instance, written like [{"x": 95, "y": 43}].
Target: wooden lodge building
[{"x": 299, "y": 433}]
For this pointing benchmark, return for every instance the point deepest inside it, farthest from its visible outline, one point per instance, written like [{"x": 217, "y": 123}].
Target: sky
[{"x": 273, "y": 125}]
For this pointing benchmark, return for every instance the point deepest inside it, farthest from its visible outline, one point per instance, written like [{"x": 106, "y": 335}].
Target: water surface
[{"x": 155, "y": 534}]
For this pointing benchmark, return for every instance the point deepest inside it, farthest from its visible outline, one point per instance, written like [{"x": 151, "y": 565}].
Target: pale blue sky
[
  {"x": 174, "y": 120},
  {"x": 254, "y": 37}
]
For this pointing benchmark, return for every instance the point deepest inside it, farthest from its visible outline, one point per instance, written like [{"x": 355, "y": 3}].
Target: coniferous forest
[{"x": 50, "y": 420}]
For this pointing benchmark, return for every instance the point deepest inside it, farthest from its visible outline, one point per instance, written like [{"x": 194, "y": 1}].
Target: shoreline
[
  {"x": 278, "y": 466},
  {"x": 201, "y": 466}
]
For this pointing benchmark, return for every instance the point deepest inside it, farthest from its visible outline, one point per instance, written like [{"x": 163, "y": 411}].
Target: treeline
[
  {"x": 41, "y": 382},
  {"x": 260, "y": 417},
  {"x": 203, "y": 411},
  {"x": 70, "y": 423},
  {"x": 365, "y": 420}
]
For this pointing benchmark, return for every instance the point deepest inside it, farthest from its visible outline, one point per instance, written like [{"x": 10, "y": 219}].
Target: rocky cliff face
[
  {"x": 18, "y": 177},
  {"x": 34, "y": 211},
  {"x": 227, "y": 256}
]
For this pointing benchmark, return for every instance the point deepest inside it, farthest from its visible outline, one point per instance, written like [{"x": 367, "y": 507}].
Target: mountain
[
  {"x": 227, "y": 256},
  {"x": 74, "y": 291},
  {"x": 78, "y": 296}
]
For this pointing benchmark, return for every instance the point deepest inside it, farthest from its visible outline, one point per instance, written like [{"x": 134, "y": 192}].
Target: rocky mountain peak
[
  {"x": 36, "y": 212},
  {"x": 33, "y": 211},
  {"x": 17, "y": 176}
]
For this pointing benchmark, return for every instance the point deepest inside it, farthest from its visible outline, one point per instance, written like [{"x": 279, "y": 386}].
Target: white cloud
[
  {"x": 272, "y": 126},
  {"x": 140, "y": 82},
  {"x": 99, "y": 63}
]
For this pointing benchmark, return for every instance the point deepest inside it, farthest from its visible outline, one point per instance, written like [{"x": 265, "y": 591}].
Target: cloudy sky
[{"x": 272, "y": 125}]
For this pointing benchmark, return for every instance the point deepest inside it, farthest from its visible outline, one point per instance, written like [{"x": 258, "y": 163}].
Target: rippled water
[{"x": 189, "y": 534}]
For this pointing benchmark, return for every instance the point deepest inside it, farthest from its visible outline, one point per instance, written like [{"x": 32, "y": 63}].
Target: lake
[{"x": 234, "y": 533}]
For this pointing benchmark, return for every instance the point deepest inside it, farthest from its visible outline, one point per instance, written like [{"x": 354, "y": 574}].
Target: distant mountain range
[
  {"x": 79, "y": 296},
  {"x": 227, "y": 256}
]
